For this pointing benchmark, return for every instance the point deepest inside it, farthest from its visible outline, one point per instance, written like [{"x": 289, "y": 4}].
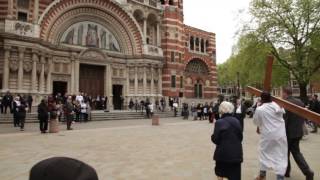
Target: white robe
[{"x": 273, "y": 149}]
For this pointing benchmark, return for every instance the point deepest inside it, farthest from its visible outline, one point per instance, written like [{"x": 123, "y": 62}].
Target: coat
[
  {"x": 43, "y": 111},
  {"x": 294, "y": 122},
  {"x": 227, "y": 136},
  {"x": 273, "y": 147}
]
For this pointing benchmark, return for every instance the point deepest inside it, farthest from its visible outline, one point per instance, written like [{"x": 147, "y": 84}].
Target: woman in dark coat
[
  {"x": 227, "y": 137},
  {"x": 22, "y": 114},
  {"x": 43, "y": 116}
]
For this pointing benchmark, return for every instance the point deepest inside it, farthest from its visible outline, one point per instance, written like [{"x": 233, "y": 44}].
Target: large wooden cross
[{"x": 303, "y": 112}]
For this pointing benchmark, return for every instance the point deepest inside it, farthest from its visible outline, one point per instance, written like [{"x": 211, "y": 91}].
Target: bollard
[
  {"x": 155, "y": 120},
  {"x": 53, "y": 126}
]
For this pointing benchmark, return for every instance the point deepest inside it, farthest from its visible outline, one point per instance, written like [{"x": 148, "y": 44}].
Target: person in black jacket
[
  {"x": 315, "y": 107},
  {"x": 43, "y": 116},
  {"x": 240, "y": 111},
  {"x": 7, "y": 102},
  {"x": 227, "y": 136},
  {"x": 22, "y": 112},
  {"x": 294, "y": 130}
]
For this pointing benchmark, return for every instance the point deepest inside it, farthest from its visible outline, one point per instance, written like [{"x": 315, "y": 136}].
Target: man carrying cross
[{"x": 294, "y": 129}]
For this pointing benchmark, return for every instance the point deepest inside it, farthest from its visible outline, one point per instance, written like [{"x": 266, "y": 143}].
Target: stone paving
[{"x": 135, "y": 150}]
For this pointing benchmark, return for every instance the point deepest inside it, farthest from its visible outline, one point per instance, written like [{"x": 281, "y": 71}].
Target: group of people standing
[{"x": 280, "y": 133}]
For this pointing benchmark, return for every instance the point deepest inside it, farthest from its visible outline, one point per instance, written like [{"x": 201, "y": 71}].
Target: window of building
[
  {"x": 22, "y": 16},
  {"x": 207, "y": 46},
  {"x": 173, "y": 81},
  {"x": 170, "y": 2},
  {"x": 202, "y": 45},
  {"x": 191, "y": 43},
  {"x": 162, "y": 1},
  {"x": 198, "y": 90},
  {"x": 180, "y": 57},
  {"x": 24, "y": 4},
  {"x": 172, "y": 56},
  {"x": 181, "y": 82}
]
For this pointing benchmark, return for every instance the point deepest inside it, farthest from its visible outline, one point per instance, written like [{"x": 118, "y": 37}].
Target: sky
[{"x": 223, "y": 17}]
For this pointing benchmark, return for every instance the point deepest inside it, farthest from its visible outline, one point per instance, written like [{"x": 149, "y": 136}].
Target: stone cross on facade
[{"x": 303, "y": 112}]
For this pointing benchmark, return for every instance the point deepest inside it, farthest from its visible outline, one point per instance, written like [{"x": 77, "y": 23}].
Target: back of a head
[
  {"x": 265, "y": 97},
  {"x": 62, "y": 168},
  {"x": 226, "y": 108}
]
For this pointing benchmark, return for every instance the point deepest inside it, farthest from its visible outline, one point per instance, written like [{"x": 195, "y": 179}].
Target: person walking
[
  {"x": 43, "y": 116},
  {"x": 7, "y": 102},
  {"x": 240, "y": 111},
  {"x": 29, "y": 100},
  {"x": 228, "y": 137},
  {"x": 294, "y": 129},
  {"x": 273, "y": 147},
  {"x": 15, "y": 109},
  {"x": 69, "y": 112},
  {"x": 22, "y": 112}
]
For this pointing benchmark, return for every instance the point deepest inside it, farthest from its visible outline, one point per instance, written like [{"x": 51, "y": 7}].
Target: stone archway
[{"x": 107, "y": 13}]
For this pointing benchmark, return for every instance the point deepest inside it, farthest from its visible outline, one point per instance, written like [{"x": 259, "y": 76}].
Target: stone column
[
  {"x": 158, "y": 34},
  {"x": 128, "y": 81},
  {"x": 109, "y": 81},
  {"x": 6, "y": 70},
  {"x": 205, "y": 47},
  {"x": 76, "y": 75},
  {"x": 136, "y": 81},
  {"x": 49, "y": 83},
  {"x": 10, "y": 9},
  {"x": 160, "y": 81},
  {"x": 72, "y": 75},
  {"x": 35, "y": 11},
  {"x": 34, "y": 71},
  {"x": 145, "y": 29},
  {"x": 152, "y": 81},
  {"x": 144, "y": 81},
  {"x": 20, "y": 70},
  {"x": 41, "y": 84}
]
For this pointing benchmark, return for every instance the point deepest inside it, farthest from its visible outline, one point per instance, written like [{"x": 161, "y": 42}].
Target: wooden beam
[
  {"x": 303, "y": 112},
  {"x": 268, "y": 74}
]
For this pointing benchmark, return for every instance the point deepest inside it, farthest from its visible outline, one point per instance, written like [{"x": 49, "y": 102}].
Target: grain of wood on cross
[{"x": 303, "y": 112}]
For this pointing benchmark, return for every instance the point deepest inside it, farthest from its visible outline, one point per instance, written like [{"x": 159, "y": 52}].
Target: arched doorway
[{"x": 197, "y": 72}]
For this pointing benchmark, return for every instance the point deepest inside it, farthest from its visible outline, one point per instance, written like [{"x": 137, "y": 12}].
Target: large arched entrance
[{"x": 197, "y": 75}]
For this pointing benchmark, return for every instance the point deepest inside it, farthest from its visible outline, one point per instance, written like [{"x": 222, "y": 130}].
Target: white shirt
[
  {"x": 273, "y": 150},
  {"x": 79, "y": 98}
]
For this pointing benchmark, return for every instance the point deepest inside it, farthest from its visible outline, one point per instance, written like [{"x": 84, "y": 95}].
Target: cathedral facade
[{"x": 116, "y": 48}]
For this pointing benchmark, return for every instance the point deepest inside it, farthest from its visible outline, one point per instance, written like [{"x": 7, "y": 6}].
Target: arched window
[
  {"x": 191, "y": 43},
  {"x": 202, "y": 45},
  {"x": 198, "y": 89},
  {"x": 197, "y": 66}
]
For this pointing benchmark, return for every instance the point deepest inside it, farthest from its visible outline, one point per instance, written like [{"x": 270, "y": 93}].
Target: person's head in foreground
[
  {"x": 265, "y": 97},
  {"x": 226, "y": 108},
  {"x": 62, "y": 168}
]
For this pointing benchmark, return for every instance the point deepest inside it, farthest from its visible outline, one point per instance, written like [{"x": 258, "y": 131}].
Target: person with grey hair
[{"x": 227, "y": 137}]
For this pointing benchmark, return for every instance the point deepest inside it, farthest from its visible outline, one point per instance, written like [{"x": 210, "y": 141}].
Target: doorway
[
  {"x": 59, "y": 87},
  {"x": 117, "y": 97},
  {"x": 91, "y": 79}
]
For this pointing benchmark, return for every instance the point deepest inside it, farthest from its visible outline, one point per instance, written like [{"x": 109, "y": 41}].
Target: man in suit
[{"x": 294, "y": 129}]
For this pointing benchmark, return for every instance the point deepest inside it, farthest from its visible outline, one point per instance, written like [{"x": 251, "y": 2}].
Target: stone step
[{"x": 95, "y": 116}]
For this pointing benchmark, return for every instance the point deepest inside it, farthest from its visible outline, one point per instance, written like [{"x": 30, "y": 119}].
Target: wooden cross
[{"x": 303, "y": 112}]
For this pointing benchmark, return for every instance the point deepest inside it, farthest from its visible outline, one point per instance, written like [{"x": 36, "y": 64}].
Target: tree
[
  {"x": 249, "y": 59},
  {"x": 292, "y": 30}
]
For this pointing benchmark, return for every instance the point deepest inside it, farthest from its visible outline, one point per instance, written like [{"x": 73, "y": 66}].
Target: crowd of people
[{"x": 280, "y": 133}]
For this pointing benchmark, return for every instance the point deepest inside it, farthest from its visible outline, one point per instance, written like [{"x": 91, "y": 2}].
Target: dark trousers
[
  {"x": 22, "y": 121},
  {"x": 16, "y": 120},
  {"x": 6, "y": 107},
  {"x": 30, "y": 106},
  {"x": 232, "y": 171},
  {"x": 1, "y": 107},
  {"x": 43, "y": 124},
  {"x": 69, "y": 121},
  {"x": 294, "y": 149}
]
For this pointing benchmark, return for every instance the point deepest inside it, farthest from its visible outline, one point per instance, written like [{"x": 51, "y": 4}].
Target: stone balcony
[
  {"x": 22, "y": 28},
  {"x": 152, "y": 50}
]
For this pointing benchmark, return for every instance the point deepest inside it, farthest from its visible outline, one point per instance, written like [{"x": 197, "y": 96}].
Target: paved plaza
[{"x": 134, "y": 150}]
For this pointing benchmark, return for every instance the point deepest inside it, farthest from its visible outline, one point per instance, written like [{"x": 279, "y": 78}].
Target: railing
[{"x": 21, "y": 28}]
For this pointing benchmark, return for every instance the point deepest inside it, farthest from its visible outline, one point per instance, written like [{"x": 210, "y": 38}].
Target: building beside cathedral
[{"x": 130, "y": 48}]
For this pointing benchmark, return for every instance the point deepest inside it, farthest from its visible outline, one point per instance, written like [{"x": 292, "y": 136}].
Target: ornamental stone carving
[
  {"x": 93, "y": 55},
  {"x": 27, "y": 66},
  {"x": 14, "y": 65}
]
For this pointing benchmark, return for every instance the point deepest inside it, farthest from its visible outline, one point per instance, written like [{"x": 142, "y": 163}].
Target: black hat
[{"x": 62, "y": 168}]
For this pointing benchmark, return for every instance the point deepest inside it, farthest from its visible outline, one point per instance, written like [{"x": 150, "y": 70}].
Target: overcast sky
[{"x": 222, "y": 17}]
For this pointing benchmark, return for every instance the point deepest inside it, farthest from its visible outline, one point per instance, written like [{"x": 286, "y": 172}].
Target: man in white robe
[{"x": 273, "y": 148}]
